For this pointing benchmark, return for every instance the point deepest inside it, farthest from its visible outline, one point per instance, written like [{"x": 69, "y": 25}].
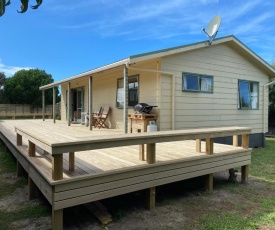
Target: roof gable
[{"x": 231, "y": 40}]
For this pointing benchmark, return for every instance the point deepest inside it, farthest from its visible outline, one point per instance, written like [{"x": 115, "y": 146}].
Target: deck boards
[
  {"x": 101, "y": 160},
  {"x": 106, "y": 172}
]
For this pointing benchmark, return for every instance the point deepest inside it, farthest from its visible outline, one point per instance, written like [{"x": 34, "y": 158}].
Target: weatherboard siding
[
  {"x": 105, "y": 89},
  {"x": 220, "y": 108}
]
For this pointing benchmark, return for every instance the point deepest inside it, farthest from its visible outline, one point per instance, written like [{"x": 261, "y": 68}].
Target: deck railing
[{"x": 56, "y": 148}]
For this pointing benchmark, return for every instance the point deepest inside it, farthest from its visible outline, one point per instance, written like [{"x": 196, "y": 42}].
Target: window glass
[
  {"x": 191, "y": 82},
  {"x": 206, "y": 84},
  {"x": 248, "y": 95},
  {"x": 195, "y": 82},
  {"x": 132, "y": 92}
]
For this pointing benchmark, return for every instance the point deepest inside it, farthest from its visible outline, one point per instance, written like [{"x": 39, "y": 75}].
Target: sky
[{"x": 68, "y": 37}]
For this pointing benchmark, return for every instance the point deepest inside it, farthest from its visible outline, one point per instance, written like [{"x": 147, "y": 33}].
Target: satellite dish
[{"x": 212, "y": 28}]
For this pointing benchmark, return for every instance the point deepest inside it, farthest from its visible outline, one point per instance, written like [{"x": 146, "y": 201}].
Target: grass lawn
[{"x": 182, "y": 205}]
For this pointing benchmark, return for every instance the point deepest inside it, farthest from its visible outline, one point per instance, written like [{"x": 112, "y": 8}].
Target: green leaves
[
  {"x": 24, "y": 6},
  {"x": 23, "y": 87}
]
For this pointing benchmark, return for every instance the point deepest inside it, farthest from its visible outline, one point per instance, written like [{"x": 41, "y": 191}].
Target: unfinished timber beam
[
  {"x": 198, "y": 145},
  {"x": 90, "y": 103},
  {"x": 209, "y": 182},
  {"x": 151, "y": 192},
  {"x": 151, "y": 153},
  {"x": 57, "y": 167},
  {"x": 54, "y": 104},
  {"x": 57, "y": 219},
  {"x": 71, "y": 161},
  {"x": 235, "y": 141},
  {"x": 245, "y": 172},
  {"x": 18, "y": 139},
  {"x": 209, "y": 146},
  {"x": 32, "y": 189},
  {"x": 31, "y": 149},
  {"x": 69, "y": 104},
  {"x": 141, "y": 153},
  {"x": 19, "y": 169},
  {"x": 151, "y": 198},
  {"x": 245, "y": 141},
  {"x": 43, "y": 105}
]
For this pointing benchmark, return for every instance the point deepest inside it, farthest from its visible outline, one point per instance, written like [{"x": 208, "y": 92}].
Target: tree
[
  {"x": 24, "y": 6},
  {"x": 23, "y": 87},
  {"x": 2, "y": 82}
]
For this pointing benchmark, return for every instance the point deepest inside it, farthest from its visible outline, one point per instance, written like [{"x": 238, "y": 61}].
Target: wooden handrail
[
  {"x": 109, "y": 141},
  {"x": 71, "y": 144}
]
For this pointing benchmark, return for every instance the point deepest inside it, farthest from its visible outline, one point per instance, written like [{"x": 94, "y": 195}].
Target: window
[
  {"x": 248, "y": 95},
  {"x": 132, "y": 92},
  {"x": 197, "y": 83}
]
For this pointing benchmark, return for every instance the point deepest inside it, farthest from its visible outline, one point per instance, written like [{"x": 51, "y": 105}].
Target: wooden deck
[{"x": 72, "y": 165}]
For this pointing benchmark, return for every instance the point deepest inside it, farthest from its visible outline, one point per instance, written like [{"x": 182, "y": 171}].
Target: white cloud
[
  {"x": 10, "y": 70},
  {"x": 209, "y": 1}
]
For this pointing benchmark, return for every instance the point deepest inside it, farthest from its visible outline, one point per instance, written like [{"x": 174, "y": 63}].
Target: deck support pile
[{"x": 70, "y": 192}]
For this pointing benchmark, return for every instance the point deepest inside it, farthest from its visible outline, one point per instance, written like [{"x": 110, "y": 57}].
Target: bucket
[{"x": 152, "y": 127}]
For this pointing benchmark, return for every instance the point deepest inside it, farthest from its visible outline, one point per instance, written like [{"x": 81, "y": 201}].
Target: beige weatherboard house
[{"x": 194, "y": 86}]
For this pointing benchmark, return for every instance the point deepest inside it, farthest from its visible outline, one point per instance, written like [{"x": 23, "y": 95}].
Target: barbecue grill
[{"x": 143, "y": 108}]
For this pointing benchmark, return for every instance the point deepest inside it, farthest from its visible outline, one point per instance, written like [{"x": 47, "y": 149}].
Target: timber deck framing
[{"x": 72, "y": 165}]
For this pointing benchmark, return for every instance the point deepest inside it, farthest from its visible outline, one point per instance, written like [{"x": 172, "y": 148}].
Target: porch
[{"x": 71, "y": 165}]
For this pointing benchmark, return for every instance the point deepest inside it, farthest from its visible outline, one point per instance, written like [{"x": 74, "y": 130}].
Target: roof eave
[{"x": 88, "y": 73}]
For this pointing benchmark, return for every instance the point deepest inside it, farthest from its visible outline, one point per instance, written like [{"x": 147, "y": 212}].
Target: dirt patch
[{"x": 181, "y": 208}]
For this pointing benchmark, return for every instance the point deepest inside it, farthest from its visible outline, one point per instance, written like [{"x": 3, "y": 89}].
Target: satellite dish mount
[{"x": 212, "y": 28}]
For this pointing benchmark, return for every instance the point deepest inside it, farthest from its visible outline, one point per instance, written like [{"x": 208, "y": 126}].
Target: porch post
[
  {"x": 43, "y": 105},
  {"x": 125, "y": 112},
  {"x": 53, "y": 104},
  {"x": 69, "y": 103},
  {"x": 90, "y": 102}
]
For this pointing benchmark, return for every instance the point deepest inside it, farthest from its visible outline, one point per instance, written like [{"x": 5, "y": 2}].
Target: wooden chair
[
  {"x": 97, "y": 113},
  {"x": 100, "y": 122}
]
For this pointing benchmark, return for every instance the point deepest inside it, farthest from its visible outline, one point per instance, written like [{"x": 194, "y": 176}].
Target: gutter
[{"x": 173, "y": 86}]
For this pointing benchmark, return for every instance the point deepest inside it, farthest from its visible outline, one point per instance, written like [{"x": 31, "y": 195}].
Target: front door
[{"x": 77, "y": 104}]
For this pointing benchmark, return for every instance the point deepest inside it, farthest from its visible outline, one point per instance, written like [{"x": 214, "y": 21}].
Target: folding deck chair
[
  {"x": 97, "y": 113},
  {"x": 100, "y": 121}
]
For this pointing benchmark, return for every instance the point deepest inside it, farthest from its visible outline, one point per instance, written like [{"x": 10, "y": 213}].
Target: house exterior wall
[
  {"x": 220, "y": 108},
  {"x": 105, "y": 89},
  {"x": 83, "y": 82}
]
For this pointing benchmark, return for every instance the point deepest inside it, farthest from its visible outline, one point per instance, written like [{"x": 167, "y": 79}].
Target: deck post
[
  {"x": 32, "y": 189},
  {"x": 235, "y": 141},
  {"x": 31, "y": 149},
  {"x": 151, "y": 192},
  {"x": 43, "y": 105},
  {"x": 53, "y": 104},
  {"x": 151, "y": 198},
  {"x": 209, "y": 146},
  {"x": 90, "y": 102},
  {"x": 71, "y": 161},
  {"x": 57, "y": 167},
  {"x": 209, "y": 182},
  {"x": 198, "y": 145},
  {"x": 18, "y": 139},
  {"x": 141, "y": 153},
  {"x": 19, "y": 169},
  {"x": 69, "y": 103},
  {"x": 57, "y": 219},
  {"x": 245, "y": 172},
  {"x": 151, "y": 153},
  {"x": 245, "y": 141},
  {"x": 125, "y": 106}
]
